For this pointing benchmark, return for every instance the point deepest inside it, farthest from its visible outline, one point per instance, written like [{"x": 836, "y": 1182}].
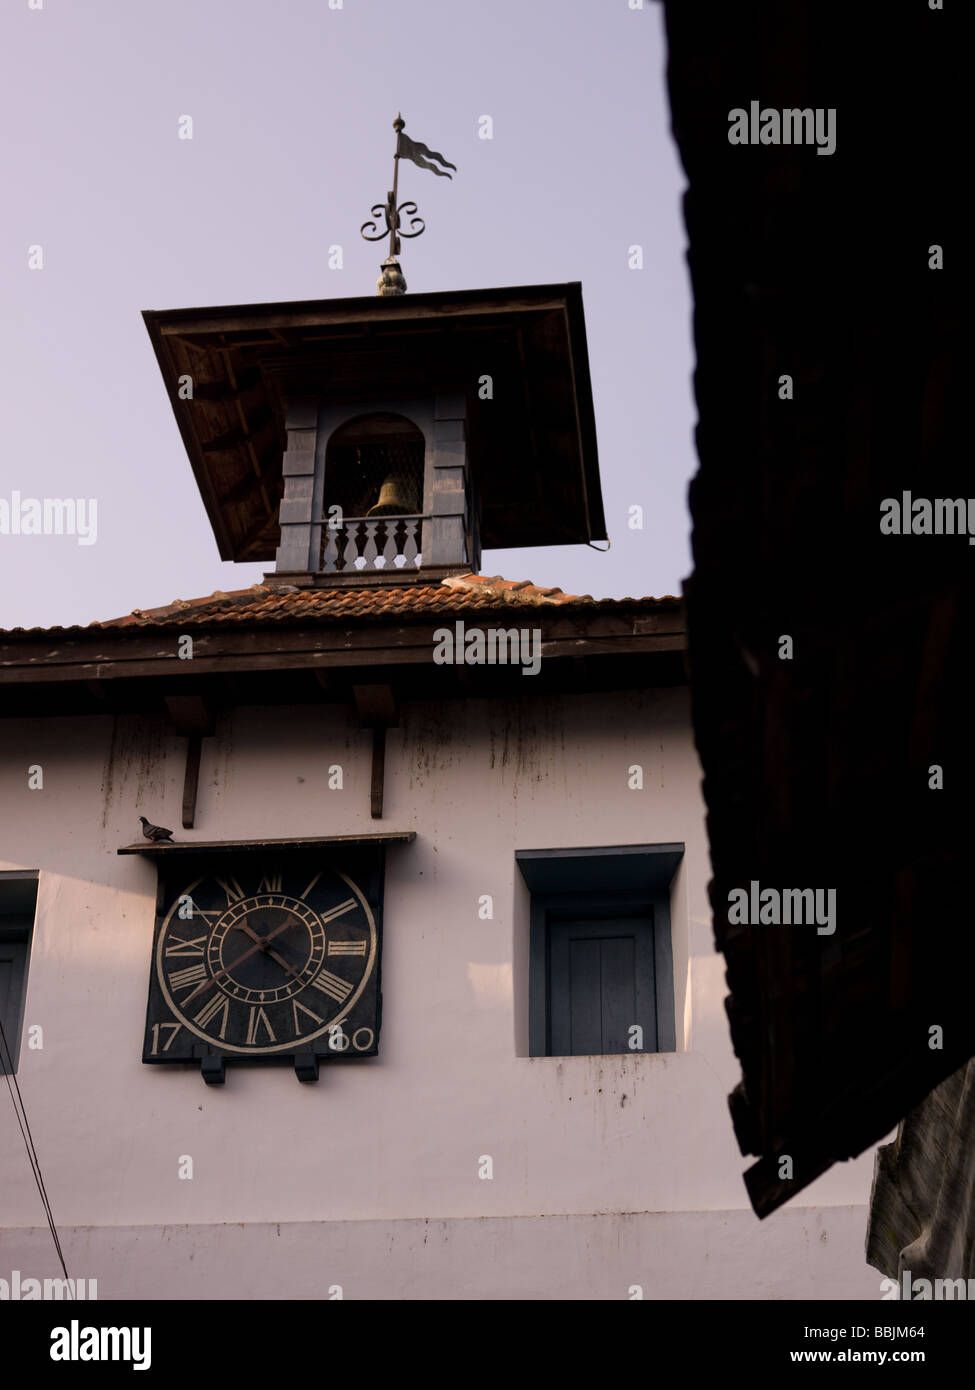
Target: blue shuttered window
[
  {"x": 601, "y": 960},
  {"x": 601, "y": 984}
]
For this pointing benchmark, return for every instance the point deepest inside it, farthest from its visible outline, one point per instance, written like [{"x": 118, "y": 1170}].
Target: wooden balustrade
[{"x": 371, "y": 543}]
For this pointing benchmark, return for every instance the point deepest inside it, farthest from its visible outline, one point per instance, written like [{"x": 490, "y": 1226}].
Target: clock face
[{"x": 276, "y": 960}]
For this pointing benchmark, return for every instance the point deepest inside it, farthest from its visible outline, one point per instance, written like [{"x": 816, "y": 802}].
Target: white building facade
[
  {"x": 511, "y": 1137},
  {"x": 453, "y": 1164}
]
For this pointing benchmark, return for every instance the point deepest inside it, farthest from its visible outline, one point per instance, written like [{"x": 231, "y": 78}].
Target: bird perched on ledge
[{"x": 155, "y": 832}]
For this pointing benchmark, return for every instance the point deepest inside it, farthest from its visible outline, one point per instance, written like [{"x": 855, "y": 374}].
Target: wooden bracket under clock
[
  {"x": 213, "y": 1070},
  {"x": 306, "y": 1066}
]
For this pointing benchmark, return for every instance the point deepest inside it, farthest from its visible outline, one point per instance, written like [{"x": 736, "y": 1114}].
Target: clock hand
[
  {"x": 254, "y": 936},
  {"x": 251, "y": 950},
  {"x": 284, "y": 964},
  {"x": 262, "y": 944}
]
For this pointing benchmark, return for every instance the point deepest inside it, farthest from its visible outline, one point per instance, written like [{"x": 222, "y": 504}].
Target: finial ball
[{"x": 391, "y": 280}]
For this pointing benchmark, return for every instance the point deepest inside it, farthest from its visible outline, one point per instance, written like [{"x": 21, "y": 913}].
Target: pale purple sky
[{"x": 292, "y": 104}]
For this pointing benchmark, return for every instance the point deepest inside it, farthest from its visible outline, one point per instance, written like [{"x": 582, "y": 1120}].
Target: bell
[{"x": 392, "y": 499}]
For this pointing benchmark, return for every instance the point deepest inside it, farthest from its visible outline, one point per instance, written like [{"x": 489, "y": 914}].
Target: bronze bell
[{"x": 392, "y": 499}]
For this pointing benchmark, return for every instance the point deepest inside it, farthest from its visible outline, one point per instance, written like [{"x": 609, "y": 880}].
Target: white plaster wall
[
  {"x": 397, "y": 1138},
  {"x": 801, "y": 1253}
]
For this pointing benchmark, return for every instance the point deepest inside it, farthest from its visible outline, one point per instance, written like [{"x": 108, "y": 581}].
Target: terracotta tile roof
[{"x": 266, "y": 604}]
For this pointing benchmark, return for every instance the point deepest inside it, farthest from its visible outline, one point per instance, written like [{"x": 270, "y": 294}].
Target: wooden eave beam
[
  {"x": 153, "y": 653},
  {"x": 307, "y": 659}
]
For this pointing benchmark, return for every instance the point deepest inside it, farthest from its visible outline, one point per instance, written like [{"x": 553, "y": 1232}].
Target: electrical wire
[{"x": 6, "y": 1058}]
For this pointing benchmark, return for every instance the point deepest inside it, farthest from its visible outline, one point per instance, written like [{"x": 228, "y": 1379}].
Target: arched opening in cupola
[
  {"x": 374, "y": 467},
  {"x": 373, "y": 493}
]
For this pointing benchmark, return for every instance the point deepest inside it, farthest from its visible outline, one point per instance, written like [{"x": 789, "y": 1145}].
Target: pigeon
[{"x": 155, "y": 832}]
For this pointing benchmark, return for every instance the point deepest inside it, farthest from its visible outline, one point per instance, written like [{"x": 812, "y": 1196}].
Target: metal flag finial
[{"x": 391, "y": 279}]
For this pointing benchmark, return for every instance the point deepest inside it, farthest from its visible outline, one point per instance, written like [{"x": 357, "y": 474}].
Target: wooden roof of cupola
[{"x": 231, "y": 372}]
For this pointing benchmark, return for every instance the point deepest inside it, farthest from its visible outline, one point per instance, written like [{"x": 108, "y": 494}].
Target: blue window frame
[
  {"x": 18, "y": 899},
  {"x": 601, "y": 959}
]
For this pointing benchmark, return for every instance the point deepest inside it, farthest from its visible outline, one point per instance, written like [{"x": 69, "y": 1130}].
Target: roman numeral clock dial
[{"x": 278, "y": 962}]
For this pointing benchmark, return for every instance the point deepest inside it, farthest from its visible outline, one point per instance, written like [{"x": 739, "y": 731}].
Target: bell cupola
[{"x": 387, "y": 439}]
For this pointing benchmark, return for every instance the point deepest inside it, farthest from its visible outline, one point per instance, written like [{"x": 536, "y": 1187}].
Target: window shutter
[{"x": 602, "y": 983}]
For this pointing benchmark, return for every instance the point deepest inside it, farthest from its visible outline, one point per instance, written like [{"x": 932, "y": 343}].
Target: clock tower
[{"x": 353, "y": 444}]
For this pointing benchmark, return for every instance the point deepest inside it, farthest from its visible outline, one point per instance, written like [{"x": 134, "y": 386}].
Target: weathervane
[{"x": 392, "y": 280}]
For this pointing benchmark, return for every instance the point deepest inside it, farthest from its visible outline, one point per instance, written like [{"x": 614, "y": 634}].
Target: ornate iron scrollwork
[{"x": 391, "y": 222}]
